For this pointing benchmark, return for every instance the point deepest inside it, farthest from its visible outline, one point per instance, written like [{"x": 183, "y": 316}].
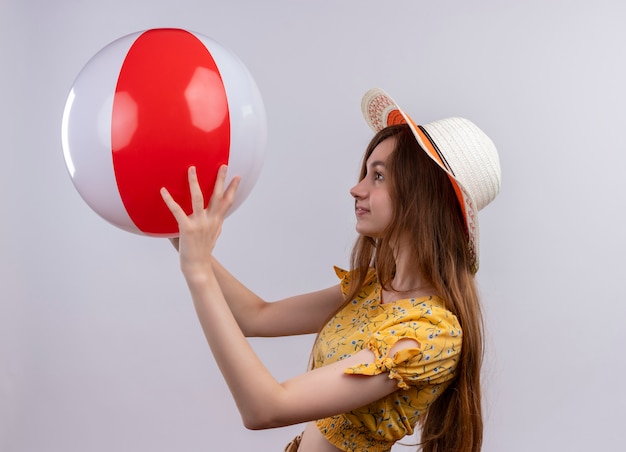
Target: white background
[{"x": 100, "y": 349}]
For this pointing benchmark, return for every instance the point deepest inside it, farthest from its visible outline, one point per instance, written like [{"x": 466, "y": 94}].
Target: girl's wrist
[{"x": 199, "y": 274}]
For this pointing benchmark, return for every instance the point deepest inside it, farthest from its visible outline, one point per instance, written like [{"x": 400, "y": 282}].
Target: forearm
[
  {"x": 243, "y": 303},
  {"x": 262, "y": 401},
  {"x": 254, "y": 389},
  {"x": 252, "y": 386}
]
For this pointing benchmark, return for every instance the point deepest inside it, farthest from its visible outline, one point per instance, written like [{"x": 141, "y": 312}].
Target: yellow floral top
[{"x": 422, "y": 373}]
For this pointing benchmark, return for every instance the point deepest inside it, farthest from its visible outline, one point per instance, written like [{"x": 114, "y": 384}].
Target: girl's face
[{"x": 372, "y": 201}]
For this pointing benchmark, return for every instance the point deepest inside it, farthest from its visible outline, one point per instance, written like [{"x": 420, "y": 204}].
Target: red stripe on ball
[{"x": 170, "y": 111}]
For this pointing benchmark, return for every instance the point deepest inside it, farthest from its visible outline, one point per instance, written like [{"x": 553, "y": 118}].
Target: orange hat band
[
  {"x": 435, "y": 154},
  {"x": 439, "y": 158}
]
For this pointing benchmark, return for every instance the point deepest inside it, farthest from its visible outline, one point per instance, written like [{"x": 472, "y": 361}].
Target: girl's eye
[{"x": 378, "y": 176}]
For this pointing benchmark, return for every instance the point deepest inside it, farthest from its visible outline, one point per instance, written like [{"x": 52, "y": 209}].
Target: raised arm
[
  {"x": 300, "y": 314},
  {"x": 262, "y": 401}
]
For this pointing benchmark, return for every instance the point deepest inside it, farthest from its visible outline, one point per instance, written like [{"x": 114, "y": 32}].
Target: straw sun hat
[{"x": 458, "y": 146}]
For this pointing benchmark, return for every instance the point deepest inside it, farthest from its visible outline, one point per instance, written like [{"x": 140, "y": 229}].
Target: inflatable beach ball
[{"x": 148, "y": 106}]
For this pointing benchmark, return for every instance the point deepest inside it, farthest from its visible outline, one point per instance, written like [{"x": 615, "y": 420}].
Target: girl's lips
[{"x": 360, "y": 210}]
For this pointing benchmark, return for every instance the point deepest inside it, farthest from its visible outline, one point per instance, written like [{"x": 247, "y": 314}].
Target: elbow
[
  {"x": 251, "y": 322},
  {"x": 272, "y": 409},
  {"x": 249, "y": 330},
  {"x": 257, "y": 423},
  {"x": 262, "y": 420},
  {"x": 253, "y": 425}
]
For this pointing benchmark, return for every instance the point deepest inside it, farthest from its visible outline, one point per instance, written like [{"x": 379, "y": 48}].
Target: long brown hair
[{"x": 427, "y": 211}]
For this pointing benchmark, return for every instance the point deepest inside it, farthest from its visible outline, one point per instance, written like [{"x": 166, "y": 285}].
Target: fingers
[
  {"x": 221, "y": 199},
  {"x": 229, "y": 194},
  {"x": 197, "y": 198},
  {"x": 176, "y": 210},
  {"x": 218, "y": 188}
]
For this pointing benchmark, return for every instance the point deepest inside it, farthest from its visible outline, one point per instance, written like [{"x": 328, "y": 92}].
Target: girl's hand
[{"x": 200, "y": 230}]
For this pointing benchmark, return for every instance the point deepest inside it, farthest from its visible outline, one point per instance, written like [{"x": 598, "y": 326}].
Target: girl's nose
[{"x": 357, "y": 191}]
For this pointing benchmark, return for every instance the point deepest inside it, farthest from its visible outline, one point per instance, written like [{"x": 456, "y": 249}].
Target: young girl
[{"x": 399, "y": 342}]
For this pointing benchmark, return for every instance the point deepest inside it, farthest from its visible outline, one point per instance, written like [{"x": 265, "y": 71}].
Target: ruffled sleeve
[
  {"x": 435, "y": 332},
  {"x": 346, "y": 278}
]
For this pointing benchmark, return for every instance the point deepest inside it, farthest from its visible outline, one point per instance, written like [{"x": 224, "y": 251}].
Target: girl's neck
[
  {"x": 402, "y": 288},
  {"x": 407, "y": 281}
]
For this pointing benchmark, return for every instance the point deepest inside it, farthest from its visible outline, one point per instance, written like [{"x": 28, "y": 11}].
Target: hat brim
[{"x": 381, "y": 111}]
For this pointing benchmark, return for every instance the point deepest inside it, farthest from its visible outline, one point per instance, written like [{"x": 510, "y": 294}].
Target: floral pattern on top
[{"x": 422, "y": 372}]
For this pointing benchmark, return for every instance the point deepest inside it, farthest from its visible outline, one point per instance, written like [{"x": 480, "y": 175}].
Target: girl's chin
[{"x": 367, "y": 232}]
